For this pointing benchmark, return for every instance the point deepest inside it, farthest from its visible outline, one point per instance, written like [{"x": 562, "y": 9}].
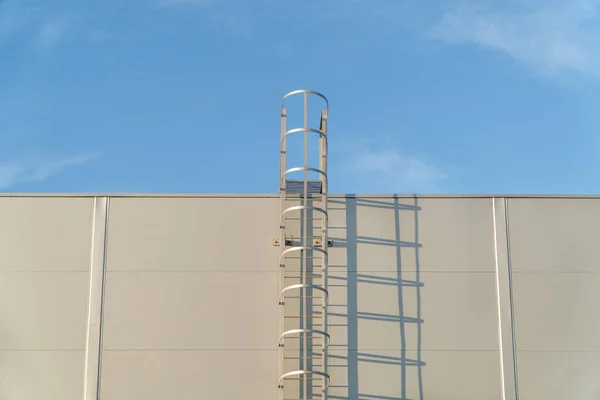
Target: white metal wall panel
[
  {"x": 189, "y": 374},
  {"x": 554, "y": 235},
  {"x": 379, "y": 374},
  {"x": 413, "y": 293},
  {"x": 191, "y": 299},
  {"x": 45, "y": 234},
  {"x": 44, "y": 273},
  {"x": 211, "y": 311},
  {"x": 41, "y": 374},
  {"x": 193, "y": 234},
  {"x": 556, "y": 282},
  {"x": 559, "y": 375},
  {"x": 184, "y": 302},
  {"x": 456, "y": 234}
]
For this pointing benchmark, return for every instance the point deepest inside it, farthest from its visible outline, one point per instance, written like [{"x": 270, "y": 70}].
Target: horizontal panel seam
[
  {"x": 275, "y": 349},
  {"x": 555, "y": 272},
  {"x": 288, "y": 269}
]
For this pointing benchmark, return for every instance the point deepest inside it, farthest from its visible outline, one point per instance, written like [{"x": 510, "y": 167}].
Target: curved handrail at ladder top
[
  {"x": 304, "y": 372},
  {"x": 296, "y": 130},
  {"x": 295, "y": 92},
  {"x": 305, "y": 286},
  {"x": 292, "y": 331}
]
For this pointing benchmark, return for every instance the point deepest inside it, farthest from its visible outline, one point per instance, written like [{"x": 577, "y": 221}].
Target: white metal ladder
[{"x": 303, "y": 295}]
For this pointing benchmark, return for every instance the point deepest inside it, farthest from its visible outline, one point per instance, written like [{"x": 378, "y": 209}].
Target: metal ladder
[{"x": 303, "y": 295}]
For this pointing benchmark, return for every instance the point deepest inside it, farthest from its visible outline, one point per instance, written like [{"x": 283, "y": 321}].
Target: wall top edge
[{"x": 271, "y": 195}]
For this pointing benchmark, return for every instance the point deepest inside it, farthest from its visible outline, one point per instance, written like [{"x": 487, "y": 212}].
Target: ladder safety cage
[
  {"x": 296, "y": 208},
  {"x": 304, "y": 286},
  {"x": 297, "y": 130},
  {"x": 298, "y": 169},
  {"x": 305, "y": 373},
  {"x": 314, "y": 332},
  {"x": 304, "y": 360}
]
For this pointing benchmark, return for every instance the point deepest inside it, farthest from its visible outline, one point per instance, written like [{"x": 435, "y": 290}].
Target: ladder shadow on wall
[{"x": 379, "y": 356}]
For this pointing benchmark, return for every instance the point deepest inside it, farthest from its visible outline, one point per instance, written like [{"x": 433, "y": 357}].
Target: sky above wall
[{"x": 184, "y": 95}]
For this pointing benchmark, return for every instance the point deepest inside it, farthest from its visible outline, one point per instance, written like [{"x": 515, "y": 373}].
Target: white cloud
[
  {"x": 12, "y": 19},
  {"x": 367, "y": 169},
  {"x": 39, "y": 23},
  {"x": 51, "y": 33},
  {"x": 36, "y": 171},
  {"x": 8, "y": 175},
  {"x": 396, "y": 172},
  {"x": 549, "y": 36}
]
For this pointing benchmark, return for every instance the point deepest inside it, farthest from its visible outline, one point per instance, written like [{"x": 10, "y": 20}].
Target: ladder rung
[
  {"x": 312, "y": 305},
  {"x": 302, "y": 219},
  {"x": 301, "y": 379},
  {"x": 300, "y": 276},
  {"x": 303, "y": 316},
  {"x": 302, "y": 337},
  {"x": 315, "y": 197},
  {"x": 302, "y": 358}
]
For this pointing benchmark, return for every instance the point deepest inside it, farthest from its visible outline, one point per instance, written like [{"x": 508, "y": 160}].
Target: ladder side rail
[
  {"x": 304, "y": 271},
  {"x": 282, "y": 227},
  {"x": 323, "y": 148}
]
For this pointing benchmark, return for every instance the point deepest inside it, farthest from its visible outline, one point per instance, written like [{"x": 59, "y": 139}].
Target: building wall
[
  {"x": 44, "y": 273},
  {"x": 419, "y": 299},
  {"x": 191, "y": 299},
  {"x": 150, "y": 297},
  {"x": 556, "y": 287}
]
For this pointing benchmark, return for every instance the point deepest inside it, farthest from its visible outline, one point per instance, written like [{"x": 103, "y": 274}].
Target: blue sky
[{"x": 184, "y": 95}]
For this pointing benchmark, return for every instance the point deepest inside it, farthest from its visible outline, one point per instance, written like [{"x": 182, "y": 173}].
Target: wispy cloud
[
  {"x": 11, "y": 19},
  {"x": 389, "y": 170},
  {"x": 45, "y": 31},
  {"x": 38, "y": 170},
  {"x": 51, "y": 33},
  {"x": 549, "y": 36},
  {"x": 396, "y": 172}
]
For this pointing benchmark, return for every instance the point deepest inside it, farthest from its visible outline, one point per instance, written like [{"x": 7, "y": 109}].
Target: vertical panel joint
[
  {"x": 504, "y": 300},
  {"x": 93, "y": 344}
]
